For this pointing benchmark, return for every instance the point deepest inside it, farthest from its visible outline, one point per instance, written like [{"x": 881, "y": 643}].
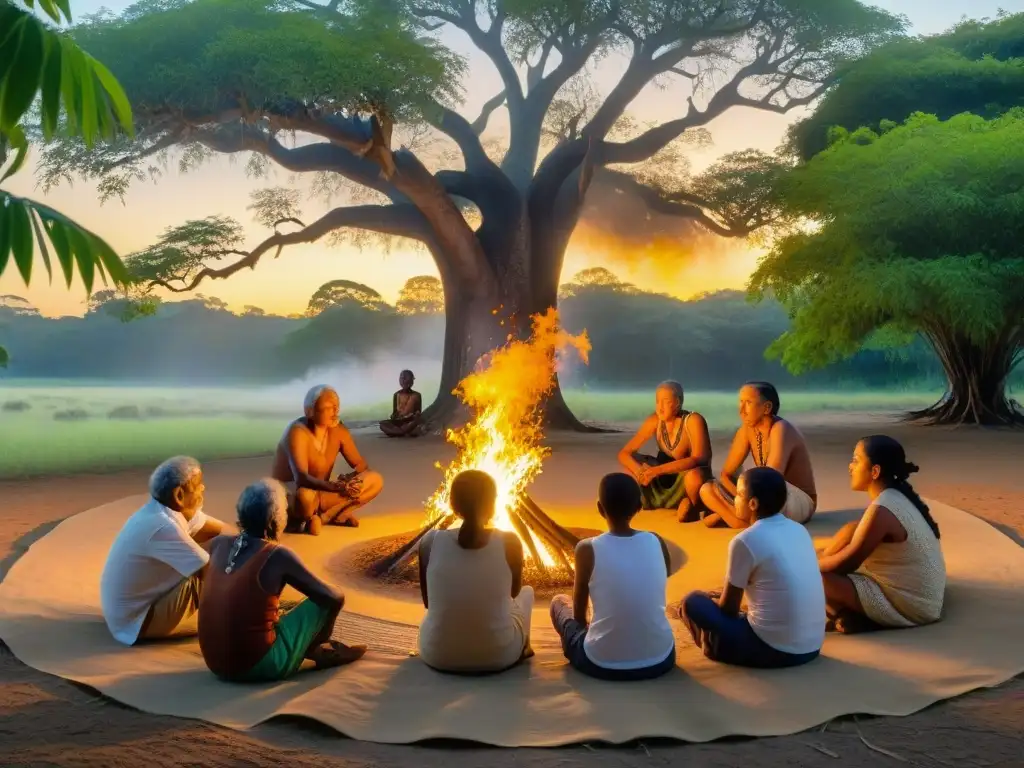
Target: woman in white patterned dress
[{"x": 887, "y": 569}]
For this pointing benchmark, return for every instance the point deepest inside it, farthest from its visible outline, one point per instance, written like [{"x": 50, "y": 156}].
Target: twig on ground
[
  {"x": 819, "y": 748},
  {"x": 645, "y": 749},
  {"x": 875, "y": 748}
]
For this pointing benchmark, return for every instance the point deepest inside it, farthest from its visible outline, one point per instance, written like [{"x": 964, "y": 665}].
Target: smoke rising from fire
[{"x": 618, "y": 231}]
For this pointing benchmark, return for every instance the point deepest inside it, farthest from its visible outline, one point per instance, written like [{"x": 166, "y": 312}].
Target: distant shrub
[
  {"x": 72, "y": 414},
  {"x": 125, "y": 412},
  {"x": 16, "y": 406},
  {"x": 156, "y": 412}
]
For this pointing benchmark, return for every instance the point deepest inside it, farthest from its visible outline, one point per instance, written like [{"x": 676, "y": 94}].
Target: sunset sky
[{"x": 284, "y": 286}]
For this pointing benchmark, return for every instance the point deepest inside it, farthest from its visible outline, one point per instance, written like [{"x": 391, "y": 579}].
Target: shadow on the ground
[{"x": 21, "y": 545}]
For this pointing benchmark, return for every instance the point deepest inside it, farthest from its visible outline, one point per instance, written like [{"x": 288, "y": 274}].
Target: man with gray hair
[
  {"x": 305, "y": 460},
  {"x": 153, "y": 576}
]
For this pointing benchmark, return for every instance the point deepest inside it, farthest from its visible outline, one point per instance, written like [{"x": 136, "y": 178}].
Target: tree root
[{"x": 958, "y": 411}]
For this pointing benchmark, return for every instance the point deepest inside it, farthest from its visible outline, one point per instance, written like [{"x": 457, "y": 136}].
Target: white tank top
[
  {"x": 629, "y": 628},
  {"x": 470, "y": 624}
]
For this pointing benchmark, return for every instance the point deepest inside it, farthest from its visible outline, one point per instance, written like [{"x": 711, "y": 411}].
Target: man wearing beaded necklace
[
  {"x": 770, "y": 441},
  {"x": 671, "y": 480}
]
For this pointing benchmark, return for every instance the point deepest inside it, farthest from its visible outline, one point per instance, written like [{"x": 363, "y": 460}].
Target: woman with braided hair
[
  {"x": 887, "y": 569},
  {"x": 243, "y": 635}
]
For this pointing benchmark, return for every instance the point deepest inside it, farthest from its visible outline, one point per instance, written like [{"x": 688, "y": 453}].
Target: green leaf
[
  {"x": 20, "y": 90},
  {"x": 21, "y": 239},
  {"x": 7, "y": 203},
  {"x": 4, "y": 358},
  {"x": 86, "y": 90},
  {"x": 51, "y": 82},
  {"x": 11, "y": 20},
  {"x": 115, "y": 267},
  {"x": 59, "y": 238},
  {"x": 16, "y": 139},
  {"x": 83, "y": 255},
  {"x": 122, "y": 108},
  {"x": 50, "y": 9},
  {"x": 69, "y": 84},
  {"x": 65, "y": 6},
  {"x": 41, "y": 239}
]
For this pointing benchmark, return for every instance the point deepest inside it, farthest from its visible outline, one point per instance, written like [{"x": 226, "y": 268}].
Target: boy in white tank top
[{"x": 623, "y": 573}]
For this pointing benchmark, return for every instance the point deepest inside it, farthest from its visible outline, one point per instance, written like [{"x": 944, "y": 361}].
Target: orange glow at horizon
[{"x": 677, "y": 266}]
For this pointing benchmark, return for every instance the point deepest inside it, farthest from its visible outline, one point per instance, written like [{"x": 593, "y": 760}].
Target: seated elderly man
[
  {"x": 304, "y": 462},
  {"x": 154, "y": 572},
  {"x": 406, "y": 409}
]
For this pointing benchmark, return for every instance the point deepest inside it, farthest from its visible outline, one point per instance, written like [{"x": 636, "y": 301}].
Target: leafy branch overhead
[
  {"x": 77, "y": 95},
  {"x": 324, "y": 88}
]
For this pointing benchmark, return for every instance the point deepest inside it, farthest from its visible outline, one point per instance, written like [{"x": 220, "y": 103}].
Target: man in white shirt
[
  {"x": 773, "y": 562},
  {"x": 153, "y": 576}
]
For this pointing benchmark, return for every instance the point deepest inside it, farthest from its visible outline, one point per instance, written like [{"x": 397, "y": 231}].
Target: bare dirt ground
[{"x": 46, "y": 721}]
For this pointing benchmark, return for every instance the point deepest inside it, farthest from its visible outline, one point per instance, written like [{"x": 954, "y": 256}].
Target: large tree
[
  {"x": 918, "y": 230},
  {"x": 975, "y": 67},
  {"x": 240, "y": 76}
]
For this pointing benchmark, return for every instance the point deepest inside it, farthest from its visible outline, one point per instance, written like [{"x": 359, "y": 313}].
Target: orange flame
[{"x": 503, "y": 437}]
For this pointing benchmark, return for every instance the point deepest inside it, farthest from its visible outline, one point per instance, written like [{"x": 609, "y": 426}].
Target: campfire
[{"x": 503, "y": 438}]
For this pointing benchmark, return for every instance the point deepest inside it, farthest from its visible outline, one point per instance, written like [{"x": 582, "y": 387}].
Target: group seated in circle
[
  {"x": 679, "y": 477},
  {"x": 172, "y": 570}
]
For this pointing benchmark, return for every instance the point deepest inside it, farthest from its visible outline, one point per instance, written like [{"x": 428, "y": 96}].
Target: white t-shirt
[
  {"x": 774, "y": 562},
  {"x": 150, "y": 556}
]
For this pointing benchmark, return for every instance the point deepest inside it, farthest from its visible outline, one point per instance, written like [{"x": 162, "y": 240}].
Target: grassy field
[{"x": 64, "y": 428}]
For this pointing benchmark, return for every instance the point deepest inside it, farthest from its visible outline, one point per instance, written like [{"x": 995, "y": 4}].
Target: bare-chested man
[
  {"x": 671, "y": 480},
  {"x": 406, "y": 409},
  {"x": 304, "y": 462},
  {"x": 771, "y": 442}
]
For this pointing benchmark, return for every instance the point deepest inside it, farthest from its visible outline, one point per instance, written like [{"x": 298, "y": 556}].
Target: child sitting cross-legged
[
  {"x": 774, "y": 563},
  {"x": 623, "y": 573}
]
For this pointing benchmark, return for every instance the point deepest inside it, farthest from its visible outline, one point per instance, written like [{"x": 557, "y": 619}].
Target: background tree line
[{"x": 639, "y": 338}]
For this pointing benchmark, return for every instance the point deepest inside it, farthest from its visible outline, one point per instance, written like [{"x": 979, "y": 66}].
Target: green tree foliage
[
  {"x": 342, "y": 292},
  {"x": 976, "y": 67},
  {"x": 360, "y": 93},
  {"x": 916, "y": 230},
  {"x": 421, "y": 295},
  {"x": 595, "y": 278},
  {"x": 78, "y": 95}
]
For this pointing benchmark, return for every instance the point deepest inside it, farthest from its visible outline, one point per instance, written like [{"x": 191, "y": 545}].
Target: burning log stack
[{"x": 531, "y": 524}]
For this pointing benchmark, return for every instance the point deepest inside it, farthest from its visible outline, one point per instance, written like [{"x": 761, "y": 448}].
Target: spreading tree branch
[
  {"x": 480, "y": 124},
  {"x": 401, "y": 220},
  {"x": 658, "y": 203}
]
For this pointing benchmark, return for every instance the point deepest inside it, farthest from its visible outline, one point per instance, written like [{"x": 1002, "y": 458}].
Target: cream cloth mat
[{"x": 50, "y": 619}]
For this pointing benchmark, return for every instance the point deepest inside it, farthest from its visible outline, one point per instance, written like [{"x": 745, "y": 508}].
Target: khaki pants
[{"x": 175, "y": 612}]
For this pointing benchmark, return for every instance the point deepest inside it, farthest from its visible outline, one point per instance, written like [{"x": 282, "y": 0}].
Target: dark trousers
[
  {"x": 573, "y": 633},
  {"x": 730, "y": 639}
]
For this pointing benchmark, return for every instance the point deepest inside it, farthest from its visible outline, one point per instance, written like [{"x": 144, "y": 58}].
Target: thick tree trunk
[
  {"x": 472, "y": 329},
  {"x": 476, "y": 325},
  {"x": 976, "y": 383}
]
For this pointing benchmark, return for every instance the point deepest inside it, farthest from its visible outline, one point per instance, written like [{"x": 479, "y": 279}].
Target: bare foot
[
  {"x": 314, "y": 526},
  {"x": 713, "y": 520},
  {"x": 687, "y": 512},
  {"x": 335, "y": 654},
  {"x": 347, "y": 521}
]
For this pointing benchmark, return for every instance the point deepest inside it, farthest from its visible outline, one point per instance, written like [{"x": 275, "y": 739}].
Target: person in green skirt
[{"x": 672, "y": 479}]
